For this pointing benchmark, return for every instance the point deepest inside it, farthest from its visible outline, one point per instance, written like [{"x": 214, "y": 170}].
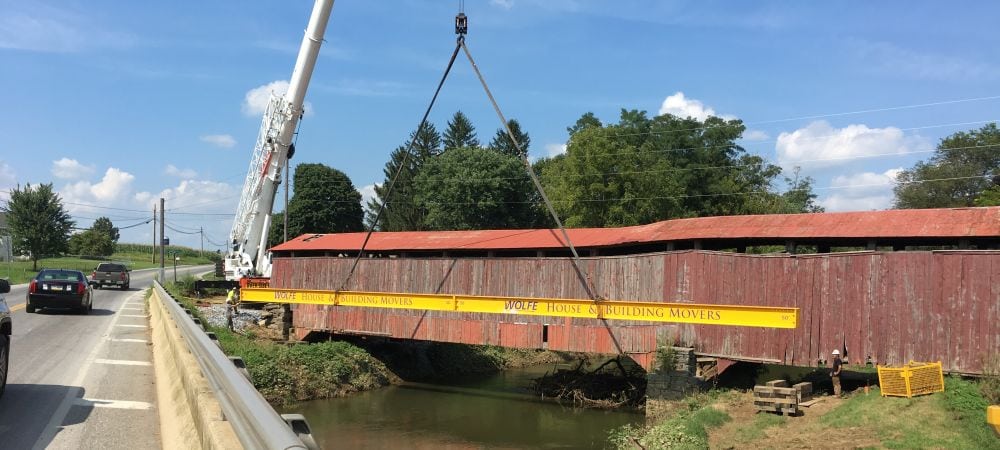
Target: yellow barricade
[{"x": 912, "y": 379}]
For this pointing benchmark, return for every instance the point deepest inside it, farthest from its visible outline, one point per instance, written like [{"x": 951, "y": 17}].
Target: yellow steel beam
[{"x": 749, "y": 316}]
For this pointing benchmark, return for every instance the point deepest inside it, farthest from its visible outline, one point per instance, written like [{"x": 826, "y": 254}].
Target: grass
[
  {"x": 18, "y": 272},
  {"x": 686, "y": 428},
  {"x": 761, "y": 422},
  {"x": 952, "y": 419},
  {"x": 284, "y": 373}
]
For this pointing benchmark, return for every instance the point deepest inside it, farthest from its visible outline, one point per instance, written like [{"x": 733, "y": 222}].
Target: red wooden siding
[{"x": 895, "y": 306}]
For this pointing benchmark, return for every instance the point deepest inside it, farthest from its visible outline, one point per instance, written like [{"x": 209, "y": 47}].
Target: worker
[
  {"x": 835, "y": 373},
  {"x": 232, "y": 300}
]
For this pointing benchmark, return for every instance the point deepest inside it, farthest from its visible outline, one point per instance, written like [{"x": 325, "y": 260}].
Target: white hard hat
[{"x": 836, "y": 352}]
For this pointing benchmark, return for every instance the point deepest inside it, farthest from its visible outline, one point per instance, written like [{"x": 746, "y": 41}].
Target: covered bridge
[{"x": 890, "y": 298}]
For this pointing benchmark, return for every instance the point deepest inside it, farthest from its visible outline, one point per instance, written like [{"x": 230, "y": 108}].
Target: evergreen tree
[
  {"x": 501, "y": 141},
  {"x": 460, "y": 133},
  {"x": 402, "y": 213}
]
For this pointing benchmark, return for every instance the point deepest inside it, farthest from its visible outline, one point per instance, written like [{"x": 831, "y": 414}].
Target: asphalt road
[{"x": 83, "y": 381}]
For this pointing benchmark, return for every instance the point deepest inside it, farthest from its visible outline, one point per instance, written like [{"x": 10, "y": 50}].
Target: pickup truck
[{"x": 110, "y": 274}]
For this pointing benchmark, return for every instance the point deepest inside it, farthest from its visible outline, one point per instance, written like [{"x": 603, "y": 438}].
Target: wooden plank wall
[{"x": 893, "y": 306}]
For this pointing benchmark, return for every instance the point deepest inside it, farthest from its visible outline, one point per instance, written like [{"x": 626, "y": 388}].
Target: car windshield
[
  {"x": 59, "y": 275},
  {"x": 110, "y": 268}
]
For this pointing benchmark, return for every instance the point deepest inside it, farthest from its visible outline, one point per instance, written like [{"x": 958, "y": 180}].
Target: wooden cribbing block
[
  {"x": 776, "y": 399},
  {"x": 777, "y": 383},
  {"x": 805, "y": 390}
]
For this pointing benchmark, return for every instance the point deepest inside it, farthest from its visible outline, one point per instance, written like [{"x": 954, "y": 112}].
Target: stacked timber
[{"x": 777, "y": 397}]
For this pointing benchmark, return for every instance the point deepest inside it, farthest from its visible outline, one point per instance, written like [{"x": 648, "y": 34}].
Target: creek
[{"x": 495, "y": 411}]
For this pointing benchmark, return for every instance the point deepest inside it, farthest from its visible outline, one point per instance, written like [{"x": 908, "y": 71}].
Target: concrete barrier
[{"x": 190, "y": 414}]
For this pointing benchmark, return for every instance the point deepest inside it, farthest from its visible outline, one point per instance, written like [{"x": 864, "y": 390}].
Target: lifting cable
[
  {"x": 399, "y": 170},
  {"x": 584, "y": 278},
  {"x": 461, "y": 28}
]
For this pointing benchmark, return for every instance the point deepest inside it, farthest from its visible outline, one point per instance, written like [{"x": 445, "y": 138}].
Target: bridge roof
[{"x": 954, "y": 223}]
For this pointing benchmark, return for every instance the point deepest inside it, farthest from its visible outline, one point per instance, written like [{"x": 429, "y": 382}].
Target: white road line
[
  {"x": 122, "y": 362},
  {"x": 116, "y": 404},
  {"x": 132, "y": 326},
  {"x": 132, "y": 308},
  {"x": 139, "y": 341},
  {"x": 57, "y": 418},
  {"x": 133, "y": 315}
]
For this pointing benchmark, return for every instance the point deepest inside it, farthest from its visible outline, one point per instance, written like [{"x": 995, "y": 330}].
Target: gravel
[{"x": 216, "y": 316}]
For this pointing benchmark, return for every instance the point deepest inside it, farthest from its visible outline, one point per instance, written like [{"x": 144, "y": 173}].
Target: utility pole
[
  {"x": 201, "y": 231},
  {"x": 154, "y": 234},
  {"x": 162, "y": 243}
]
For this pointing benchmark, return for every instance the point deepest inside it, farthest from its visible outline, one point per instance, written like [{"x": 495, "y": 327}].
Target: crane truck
[{"x": 248, "y": 259}]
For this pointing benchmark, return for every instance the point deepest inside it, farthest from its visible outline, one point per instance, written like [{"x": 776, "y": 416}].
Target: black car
[
  {"x": 60, "y": 288},
  {"x": 5, "y": 329}
]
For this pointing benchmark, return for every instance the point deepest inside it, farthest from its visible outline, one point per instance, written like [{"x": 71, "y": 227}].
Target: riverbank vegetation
[
  {"x": 286, "y": 372},
  {"x": 728, "y": 419}
]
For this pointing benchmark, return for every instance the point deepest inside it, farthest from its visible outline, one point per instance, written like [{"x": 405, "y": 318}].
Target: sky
[{"x": 121, "y": 103}]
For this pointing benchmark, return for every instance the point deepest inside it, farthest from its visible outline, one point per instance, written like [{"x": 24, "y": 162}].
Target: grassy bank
[
  {"x": 284, "y": 373},
  {"x": 686, "y": 426},
  {"x": 954, "y": 419},
  {"x": 135, "y": 256}
]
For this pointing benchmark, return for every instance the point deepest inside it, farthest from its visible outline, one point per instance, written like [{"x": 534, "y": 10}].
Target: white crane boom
[{"x": 247, "y": 254}]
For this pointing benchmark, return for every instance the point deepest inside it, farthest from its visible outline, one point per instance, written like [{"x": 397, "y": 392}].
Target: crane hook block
[{"x": 461, "y": 24}]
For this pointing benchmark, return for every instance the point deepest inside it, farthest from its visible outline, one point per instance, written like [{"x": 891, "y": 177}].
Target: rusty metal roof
[{"x": 951, "y": 223}]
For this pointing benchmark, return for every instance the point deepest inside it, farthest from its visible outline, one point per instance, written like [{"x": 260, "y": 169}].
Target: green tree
[
  {"x": 501, "y": 141},
  {"x": 642, "y": 170},
  {"x": 104, "y": 225},
  {"x": 959, "y": 172},
  {"x": 91, "y": 243},
  {"x": 460, "y": 133},
  {"x": 38, "y": 223},
  {"x": 471, "y": 188},
  {"x": 324, "y": 200},
  {"x": 586, "y": 120},
  {"x": 402, "y": 213}
]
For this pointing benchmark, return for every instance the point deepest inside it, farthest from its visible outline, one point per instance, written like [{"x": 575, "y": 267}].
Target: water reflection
[{"x": 494, "y": 412}]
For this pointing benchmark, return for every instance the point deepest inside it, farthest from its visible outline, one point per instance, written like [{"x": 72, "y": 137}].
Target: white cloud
[
  {"x": 173, "y": 171},
  {"x": 69, "y": 169},
  {"x": 505, "y": 4},
  {"x": 113, "y": 187},
  {"x": 256, "y": 99},
  {"x": 863, "y": 191},
  {"x": 684, "y": 107},
  {"x": 755, "y": 135},
  {"x": 8, "y": 179},
  {"x": 367, "y": 194},
  {"x": 220, "y": 140},
  {"x": 554, "y": 149},
  {"x": 820, "y": 145}
]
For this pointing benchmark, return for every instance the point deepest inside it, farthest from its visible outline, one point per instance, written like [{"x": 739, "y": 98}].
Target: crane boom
[{"x": 248, "y": 239}]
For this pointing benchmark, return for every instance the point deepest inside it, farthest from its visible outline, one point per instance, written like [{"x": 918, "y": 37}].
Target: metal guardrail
[{"x": 255, "y": 422}]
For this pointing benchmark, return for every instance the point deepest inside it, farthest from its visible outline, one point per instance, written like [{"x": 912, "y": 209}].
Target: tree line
[{"x": 637, "y": 170}]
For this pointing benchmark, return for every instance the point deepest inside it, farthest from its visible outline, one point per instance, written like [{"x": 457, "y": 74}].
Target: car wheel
[
  {"x": 29, "y": 308},
  {"x": 4, "y": 359}
]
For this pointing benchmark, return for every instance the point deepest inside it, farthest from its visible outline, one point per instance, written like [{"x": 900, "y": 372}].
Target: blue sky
[{"x": 120, "y": 103}]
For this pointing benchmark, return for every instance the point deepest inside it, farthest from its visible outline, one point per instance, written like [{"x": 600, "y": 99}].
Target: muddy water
[{"x": 493, "y": 412}]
